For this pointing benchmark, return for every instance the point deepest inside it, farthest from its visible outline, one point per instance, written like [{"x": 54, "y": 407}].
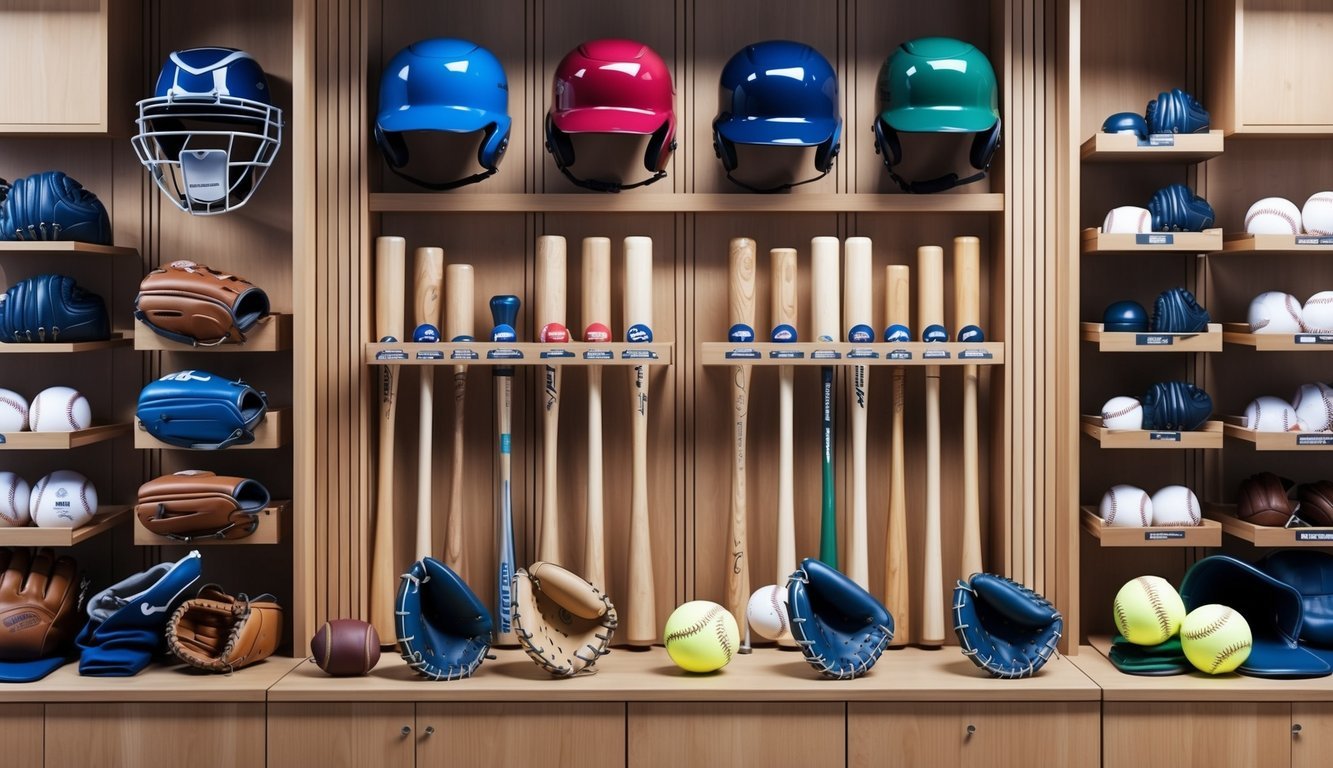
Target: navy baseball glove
[
  {"x": 841, "y": 628},
  {"x": 1175, "y": 111},
  {"x": 1175, "y": 406},
  {"x": 197, "y": 409},
  {"x": 444, "y": 631},
  {"x": 52, "y": 206},
  {"x": 1004, "y": 627},
  {"x": 1176, "y": 311},
  {"x": 52, "y": 308},
  {"x": 1175, "y": 208}
]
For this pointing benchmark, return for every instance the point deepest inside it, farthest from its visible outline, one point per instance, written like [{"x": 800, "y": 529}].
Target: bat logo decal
[
  {"x": 639, "y": 334},
  {"x": 740, "y": 333}
]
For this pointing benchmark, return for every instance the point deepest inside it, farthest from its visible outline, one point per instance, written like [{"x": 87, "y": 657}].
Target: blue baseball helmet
[{"x": 449, "y": 85}]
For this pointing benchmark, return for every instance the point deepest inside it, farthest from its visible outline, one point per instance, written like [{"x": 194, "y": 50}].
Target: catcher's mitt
[
  {"x": 1316, "y": 503},
  {"x": 1262, "y": 500},
  {"x": 52, "y": 308},
  {"x": 1175, "y": 406},
  {"x": 193, "y": 505},
  {"x": 197, "y": 409},
  {"x": 1176, "y": 111},
  {"x": 1175, "y": 208},
  {"x": 1176, "y": 311},
  {"x": 563, "y": 622},
  {"x": 52, "y": 206},
  {"x": 444, "y": 630},
  {"x": 192, "y": 304},
  {"x": 40, "y": 601},
  {"x": 841, "y": 628},
  {"x": 1004, "y": 627},
  {"x": 219, "y": 633}
]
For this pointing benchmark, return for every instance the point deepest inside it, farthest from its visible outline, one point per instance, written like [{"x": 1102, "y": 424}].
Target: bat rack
[
  {"x": 825, "y": 354},
  {"x": 484, "y": 353}
]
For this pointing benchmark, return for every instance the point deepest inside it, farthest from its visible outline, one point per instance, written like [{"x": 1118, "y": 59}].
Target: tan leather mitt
[
  {"x": 192, "y": 304},
  {"x": 193, "y": 505},
  {"x": 40, "y": 598},
  {"x": 220, "y": 633},
  {"x": 563, "y": 622}
]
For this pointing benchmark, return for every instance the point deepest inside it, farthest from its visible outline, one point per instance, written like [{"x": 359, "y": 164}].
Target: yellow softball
[
  {"x": 1216, "y": 639},
  {"x": 1148, "y": 610},
  {"x": 701, "y": 636}
]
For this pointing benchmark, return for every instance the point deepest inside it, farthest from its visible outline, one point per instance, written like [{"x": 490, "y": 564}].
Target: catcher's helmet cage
[
  {"x": 447, "y": 85},
  {"x": 210, "y": 131},
  {"x": 612, "y": 86},
  {"x": 778, "y": 93}
]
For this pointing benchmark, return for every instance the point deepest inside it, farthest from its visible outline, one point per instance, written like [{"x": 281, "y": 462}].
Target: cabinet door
[
  {"x": 154, "y": 735},
  {"x": 973, "y": 734},
  {"x": 331, "y": 735},
  {"x": 734, "y": 733},
  {"x": 1172, "y": 734},
  {"x": 1312, "y": 742},
  {"x": 21, "y": 733},
  {"x": 588, "y": 735}
]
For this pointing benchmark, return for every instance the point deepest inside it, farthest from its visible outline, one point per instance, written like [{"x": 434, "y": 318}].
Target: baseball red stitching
[
  {"x": 83, "y": 497},
  {"x": 1122, "y": 412},
  {"x": 1209, "y": 628},
  {"x": 39, "y": 490},
  {"x": 1110, "y": 520},
  {"x": 69, "y": 410},
  {"x": 1189, "y": 506},
  {"x": 33, "y": 412},
  {"x": 1294, "y": 313},
  {"x": 777, "y": 609},
  {"x": 13, "y": 498},
  {"x": 1143, "y": 510},
  {"x": 22, "y": 408},
  {"x": 1315, "y": 198},
  {"x": 1226, "y": 653},
  {"x": 1295, "y": 226},
  {"x": 1163, "y": 621}
]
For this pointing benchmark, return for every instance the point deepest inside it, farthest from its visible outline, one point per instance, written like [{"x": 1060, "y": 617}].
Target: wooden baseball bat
[
  {"x": 930, "y": 316},
  {"x": 597, "y": 317},
  {"x": 967, "y": 321},
  {"x": 641, "y": 618},
  {"x": 426, "y": 315},
  {"x": 897, "y": 594},
  {"x": 458, "y": 326},
  {"x": 740, "y": 254},
  {"x": 504, "y": 314},
  {"x": 550, "y": 312},
  {"x": 390, "y": 286},
  {"x": 783, "y": 310},
  {"x": 859, "y": 322},
  {"x": 825, "y": 319}
]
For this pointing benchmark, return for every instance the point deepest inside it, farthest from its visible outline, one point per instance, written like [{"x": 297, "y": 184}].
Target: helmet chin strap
[
  {"x": 446, "y": 185},
  {"x": 771, "y": 190},
  {"x": 939, "y": 184},
  {"x": 608, "y": 186}
]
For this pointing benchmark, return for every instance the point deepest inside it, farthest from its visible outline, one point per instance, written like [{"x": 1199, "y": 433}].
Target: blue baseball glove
[
  {"x": 1176, "y": 111},
  {"x": 197, "y": 409},
  {"x": 1175, "y": 406},
  {"x": 841, "y": 628},
  {"x": 1176, "y": 311},
  {"x": 52, "y": 308},
  {"x": 444, "y": 630},
  {"x": 52, "y": 206},
  {"x": 1004, "y": 627},
  {"x": 1175, "y": 208}
]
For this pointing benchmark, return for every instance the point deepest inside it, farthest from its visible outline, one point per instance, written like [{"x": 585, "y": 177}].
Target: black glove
[
  {"x": 1176, "y": 311},
  {"x": 1175, "y": 406},
  {"x": 1175, "y": 208},
  {"x": 1004, "y": 627},
  {"x": 52, "y": 206},
  {"x": 52, "y": 308}
]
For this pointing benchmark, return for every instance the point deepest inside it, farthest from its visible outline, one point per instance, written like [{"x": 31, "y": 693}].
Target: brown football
[{"x": 346, "y": 647}]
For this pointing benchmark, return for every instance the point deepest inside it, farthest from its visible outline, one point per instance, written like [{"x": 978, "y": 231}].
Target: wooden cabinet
[
  {"x": 992, "y": 735},
  {"x": 156, "y": 735},
  {"x": 736, "y": 733},
  {"x": 331, "y": 735},
  {"x": 1141, "y": 734},
  {"x": 1311, "y": 734},
  {"x": 21, "y": 729}
]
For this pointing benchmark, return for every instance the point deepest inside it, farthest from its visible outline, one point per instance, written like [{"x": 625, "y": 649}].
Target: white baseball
[
  {"x": 1122, "y": 413},
  {"x": 1176, "y": 505},
  {"x": 13, "y": 501},
  {"x": 767, "y": 613},
  {"x": 1275, "y": 312},
  {"x": 1317, "y": 314},
  {"x": 13, "y": 411},
  {"x": 1126, "y": 506},
  {"x": 1313, "y": 404},
  {"x": 59, "y": 409},
  {"x": 1271, "y": 414},
  {"x": 1128, "y": 219},
  {"x": 1317, "y": 215},
  {"x": 1273, "y": 216},
  {"x": 63, "y": 499}
]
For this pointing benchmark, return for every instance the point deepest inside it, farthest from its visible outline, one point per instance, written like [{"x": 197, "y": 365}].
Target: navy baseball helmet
[{"x": 1125, "y": 316}]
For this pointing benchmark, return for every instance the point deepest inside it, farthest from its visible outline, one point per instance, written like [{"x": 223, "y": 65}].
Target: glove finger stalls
[
  {"x": 16, "y": 572},
  {"x": 39, "y": 573}
]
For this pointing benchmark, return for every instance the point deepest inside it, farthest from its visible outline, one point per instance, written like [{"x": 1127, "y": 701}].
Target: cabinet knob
[
  {"x": 1295, "y": 730},
  {"x": 971, "y": 729},
  {"x": 430, "y": 731},
  {"x": 407, "y": 730}
]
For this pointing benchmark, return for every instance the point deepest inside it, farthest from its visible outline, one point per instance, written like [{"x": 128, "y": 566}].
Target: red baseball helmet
[{"x": 612, "y": 86}]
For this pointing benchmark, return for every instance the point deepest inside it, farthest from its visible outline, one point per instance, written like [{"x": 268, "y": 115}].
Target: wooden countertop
[{"x": 159, "y": 682}]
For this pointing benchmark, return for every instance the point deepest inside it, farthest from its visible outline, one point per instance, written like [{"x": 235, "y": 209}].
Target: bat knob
[
  {"x": 861, "y": 334},
  {"x": 898, "y": 333},
  {"x": 971, "y": 334},
  {"x": 740, "y": 333},
  {"x": 597, "y": 333},
  {"x": 935, "y": 333},
  {"x": 426, "y": 334},
  {"x": 784, "y": 334},
  {"x": 553, "y": 333},
  {"x": 639, "y": 334}
]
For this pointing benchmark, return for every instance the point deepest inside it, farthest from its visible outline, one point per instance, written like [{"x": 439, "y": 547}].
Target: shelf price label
[
  {"x": 825, "y": 354},
  {"x": 1153, "y": 340},
  {"x": 1167, "y": 437},
  {"x": 549, "y": 354},
  {"x": 390, "y": 354},
  {"x": 504, "y": 354},
  {"x": 747, "y": 353},
  {"x": 1313, "y": 240},
  {"x": 1162, "y": 535},
  {"x": 464, "y": 354},
  {"x": 975, "y": 354},
  {"x": 1160, "y": 140},
  {"x": 862, "y": 353},
  {"x": 935, "y": 354},
  {"x": 898, "y": 354},
  {"x": 638, "y": 354},
  {"x": 1321, "y": 536},
  {"x": 598, "y": 354},
  {"x": 1155, "y": 238},
  {"x": 1312, "y": 338},
  {"x": 1314, "y": 439},
  {"x": 783, "y": 354},
  {"x": 430, "y": 354}
]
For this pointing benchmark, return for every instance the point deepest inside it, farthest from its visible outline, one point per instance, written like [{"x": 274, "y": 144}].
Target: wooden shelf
[
  {"x": 488, "y": 353},
  {"x": 1266, "y": 535},
  {"x": 273, "y": 520},
  {"x": 118, "y": 339},
  {"x": 271, "y": 334},
  {"x": 1243, "y": 241},
  {"x": 1239, "y": 333},
  {"x": 61, "y": 441},
  {"x": 1207, "y": 534},
  {"x": 656, "y": 202},
  {"x": 160, "y": 682},
  {"x": 1278, "y": 441},
  {"x": 107, "y": 517},
  {"x": 881, "y": 353},
  {"x": 1163, "y": 148},
  {"x": 1193, "y": 686},
  {"x": 65, "y": 246},
  {"x": 1207, "y": 241},
  {"x": 1207, "y": 436},
  {"x": 1129, "y": 341},
  {"x": 275, "y": 431}
]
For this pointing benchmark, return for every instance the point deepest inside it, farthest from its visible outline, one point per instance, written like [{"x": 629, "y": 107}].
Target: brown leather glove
[
  {"x": 39, "y": 603},
  {"x": 193, "y": 505},
  {"x": 192, "y": 304},
  {"x": 563, "y": 622},
  {"x": 220, "y": 633},
  {"x": 1262, "y": 500},
  {"x": 1316, "y": 503}
]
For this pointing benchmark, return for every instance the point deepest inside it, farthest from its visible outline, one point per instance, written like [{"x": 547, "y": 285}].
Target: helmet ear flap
[
  {"x": 493, "y": 146},
  {"x": 886, "y": 143},
  {"x": 559, "y": 145},
  {"x": 726, "y": 152},
  {"x": 828, "y": 151},
  {"x": 393, "y": 146},
  {"x": 660, "y": 147},
  {"x": 984, "y": 147}
]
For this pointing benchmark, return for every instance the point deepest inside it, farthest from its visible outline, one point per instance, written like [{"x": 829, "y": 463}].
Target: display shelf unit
[
  {"x": 1095, "y": 241},
  {"x": 107, "y": 517},
  {"x": 270, "y": 334},
  {"x": 523, "y": 353},
  {"x": 67, "y": 247},
  {"x": 1239, "y": 334},
  {"x": 1194, "y": 686},
  {"x": 656, "y": 202},
  {"x": 118, "y": 339},
  {"x": 1266, "y": 535},
  {"x": 1207, "y": 436},
  {"x": 1131, "y": 341},
  {"x": 1241, "y": 242},
  {"x": 1161, "y": 148},
  {"x": 1208, "y": 533},
  {"x": 170, "y": 682},
  {"x": 274, "y": 527},
  {"x": 61, "y": 441},
  {"x": 275, "y": 431},
  {"x": 826, "y": 354},
  {"x": 1277, "y": 441}
]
